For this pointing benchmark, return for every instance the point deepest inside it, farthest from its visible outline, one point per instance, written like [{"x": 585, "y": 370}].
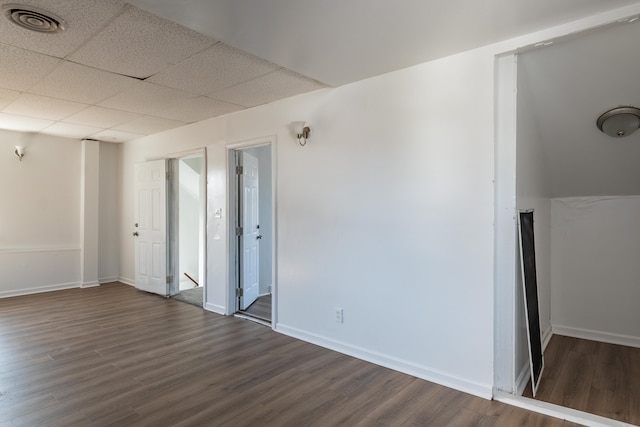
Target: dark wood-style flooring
[
  {"x": 112, "y": 355},
  {"x": 591, "y": 376},
  {"x": 261, "y": 308}
]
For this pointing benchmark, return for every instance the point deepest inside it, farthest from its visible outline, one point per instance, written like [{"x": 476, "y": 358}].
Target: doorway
[
  {"x": 187, "y": 227},
  {"x": 251, "y": 241}
]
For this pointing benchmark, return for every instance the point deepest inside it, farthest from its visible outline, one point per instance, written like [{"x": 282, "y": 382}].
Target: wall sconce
[
  {"x": 302, "y": 132},
  {"x": 19, "y": 152},
  {"x": 619, "y": 121}
]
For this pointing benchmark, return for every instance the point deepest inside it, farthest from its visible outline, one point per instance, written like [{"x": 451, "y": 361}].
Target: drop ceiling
[
  {"x": 124, "y": 70},
  {"x": 118, "y": 73}
]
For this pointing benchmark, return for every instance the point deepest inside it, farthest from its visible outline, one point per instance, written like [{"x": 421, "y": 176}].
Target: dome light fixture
[{"x": 620, "y": 121}]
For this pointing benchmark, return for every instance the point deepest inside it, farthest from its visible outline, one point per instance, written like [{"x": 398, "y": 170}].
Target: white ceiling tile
[
  {"x": 196, "y": 109},
  {"x": 20, "y": 69},
  {"x": 101, "y": 117},
  {"x": 111, "y": 135},
  {"x": 213, "y": 69},
  {"x": 148, "y": 125},
  {"x": 83, "y": 18},
  {"x": 7, "y": 96},
  {"x": 147, "y": 98},
  {"x": 22, "y": 124},
  {"x": 271, "y": 87},
  {"x": 42, "y": 107},
  {"x": 70, "y": 130},
  {"x": 140, "y": 44},
  {"x": 79, "y": 83}
]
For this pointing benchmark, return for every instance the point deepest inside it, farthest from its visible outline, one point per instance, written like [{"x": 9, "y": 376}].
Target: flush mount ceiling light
[
  {"x": 33, "y": 18},
  {"x": 620, "y": 121}
]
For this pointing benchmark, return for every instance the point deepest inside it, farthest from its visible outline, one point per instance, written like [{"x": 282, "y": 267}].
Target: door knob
[{"x": 135, "y": 233}]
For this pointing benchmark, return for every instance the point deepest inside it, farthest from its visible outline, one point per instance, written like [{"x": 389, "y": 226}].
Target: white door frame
[
  {"x": 173, "y": 204},
  {"x": 232, "y": 203}
]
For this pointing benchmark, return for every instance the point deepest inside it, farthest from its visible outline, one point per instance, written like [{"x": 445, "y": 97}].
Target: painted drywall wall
[
  {"x": 263, "y": 154},
  {"x": 39, "y": 213},
  {"x": 532, "y": 193},
  {"x": 595, "y": 269},
  {"x": 386, "y": 214},
  {"x": 108, "y": 237}
]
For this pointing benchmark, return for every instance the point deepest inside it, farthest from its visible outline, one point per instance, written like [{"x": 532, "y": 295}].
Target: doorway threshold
[
  {"x": 243, "y": 315},
  {"x": 557, "y": 411}
]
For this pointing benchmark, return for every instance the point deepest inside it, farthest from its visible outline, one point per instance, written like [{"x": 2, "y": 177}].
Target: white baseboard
[
  {"x": 556, "y": 411},
  {"x": 90, "y": 284},
  {"x": 127, "y": 281},
  {"x": 39, "y": 289},
  {"x": 104, "y": 280},
  {"x": 546, "y": 337},
  {"x": 607, "y": 337},
  {"x": 218, "y": 309},
  {"x": 410, "y": 368}
]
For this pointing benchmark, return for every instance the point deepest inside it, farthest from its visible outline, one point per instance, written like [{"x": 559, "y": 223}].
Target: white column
[{"x": 89, "y": 198}]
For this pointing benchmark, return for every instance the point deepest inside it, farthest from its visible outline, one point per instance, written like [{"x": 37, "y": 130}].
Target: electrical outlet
[{"x": 339, "y": 315}]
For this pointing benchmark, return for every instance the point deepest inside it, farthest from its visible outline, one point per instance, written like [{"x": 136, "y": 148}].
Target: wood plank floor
[
  {"x": 112, "y": 355},
  {"x": 261, "y": 308},
  {"x": 591, "y": 376}
]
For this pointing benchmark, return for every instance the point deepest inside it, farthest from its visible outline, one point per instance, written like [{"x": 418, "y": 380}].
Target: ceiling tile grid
[
  {"x": 22, "y": 124},
  {"x": 140, "y": 45},
  {"x": 147, "y": 125},
  {"x": 70, "y": 130},
  {"x": 118, "y": 73},
  {"x": 213, "y": 69},
  {"x": 268, "y": 88},
  {"x": 101, "y": 117},
  {"x": 197, "y": 109},
  {"x": 146, "y": 98},
  {"x": 84, "y": 18},
  {"x": 79, "y": 83},
  {"x": 20, "y": 69},
  {"x": 42, "y": 107}
]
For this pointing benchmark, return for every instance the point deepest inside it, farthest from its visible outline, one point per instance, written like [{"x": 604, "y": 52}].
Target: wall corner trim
[
  {"x": 92, "y": 284},
  {"x": 218, "y": 309},
  {"x": 127, "y": 281},
  {"x": 477, "y": 389}
]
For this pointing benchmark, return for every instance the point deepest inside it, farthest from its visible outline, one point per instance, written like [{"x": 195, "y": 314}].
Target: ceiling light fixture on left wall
[
  {"x": 620, "y": 121},
  {"x": 33, "y": 18}
]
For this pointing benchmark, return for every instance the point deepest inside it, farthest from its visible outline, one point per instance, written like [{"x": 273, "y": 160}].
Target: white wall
[
  {"x": 595, "y": 269},
  {"x": 386, "y": 213},
  {"x": 39, "y": 213},
  {"x": 532, "y": 192},
  {"x": 108, "y": 237}
]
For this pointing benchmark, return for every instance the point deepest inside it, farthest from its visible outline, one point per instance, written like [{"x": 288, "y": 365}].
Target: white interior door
[
  {"x": 250, "y": 247},
  {"x": 150, "y": 228}
]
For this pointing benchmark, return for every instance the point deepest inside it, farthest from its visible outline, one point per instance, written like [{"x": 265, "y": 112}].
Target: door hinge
[
  {"x": 239, "y": 231},
  {"x": 169, "y": 279},
  {"x": 239, "y": 170},
  {"x": 168, "y": 175},
  {"x": 239, "y": 292}
]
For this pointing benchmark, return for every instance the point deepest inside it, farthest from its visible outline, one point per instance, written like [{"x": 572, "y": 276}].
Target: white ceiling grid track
[{"x": 116, "y": 73}]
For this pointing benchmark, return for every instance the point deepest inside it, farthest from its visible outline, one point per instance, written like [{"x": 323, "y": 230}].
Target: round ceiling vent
[{"x": 33, "y": 18}]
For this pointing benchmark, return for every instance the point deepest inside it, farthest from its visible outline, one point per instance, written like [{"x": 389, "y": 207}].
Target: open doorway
[
  {"x": 586, "y": 199},
  {"x": 251, "y": 245},
  {"x": 187, "y": 224}
]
